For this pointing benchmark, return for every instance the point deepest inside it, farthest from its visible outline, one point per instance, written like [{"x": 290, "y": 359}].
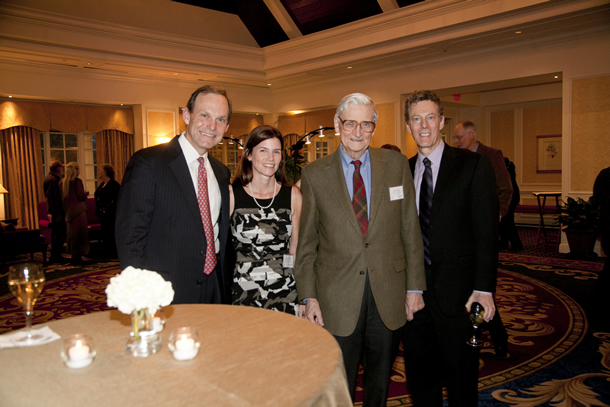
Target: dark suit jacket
[
  {"x": 503, "y": 183},
  {"x": 158, "y": 224},
  {"x": 333, "y": 256},
  {"x": 463, "y": 229}
]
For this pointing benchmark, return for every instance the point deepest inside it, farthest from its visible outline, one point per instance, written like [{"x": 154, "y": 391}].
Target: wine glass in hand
[
  {"x": 25, "y": 282},
  {"x": 476, "y": 315}
]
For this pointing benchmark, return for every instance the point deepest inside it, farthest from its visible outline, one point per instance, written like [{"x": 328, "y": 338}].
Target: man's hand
[
  {"x": 313, "y": 313},
  {"x": 413, "y": 303},
  {"x": 486, "y": 300}
]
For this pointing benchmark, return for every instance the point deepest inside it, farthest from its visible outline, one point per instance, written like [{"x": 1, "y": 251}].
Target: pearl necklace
[{"x": 272, "y": 199}]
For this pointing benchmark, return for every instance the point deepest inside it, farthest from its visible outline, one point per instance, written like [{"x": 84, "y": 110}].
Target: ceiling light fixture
[
  {"x": 321, "y": 131},
  {"x": 307, "y": 142},
  {"x": 517, "y": 32}
]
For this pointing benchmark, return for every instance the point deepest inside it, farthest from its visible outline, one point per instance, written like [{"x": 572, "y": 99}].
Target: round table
[{"x": 248, "y": 357}]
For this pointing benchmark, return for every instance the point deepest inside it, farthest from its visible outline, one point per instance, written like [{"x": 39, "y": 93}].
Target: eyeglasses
[
  {"x": 350, "y": 125},
  {"x": 458, "y": 138}
]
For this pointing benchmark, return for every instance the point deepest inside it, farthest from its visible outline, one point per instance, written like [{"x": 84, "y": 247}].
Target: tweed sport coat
[{"x": 333, "y": 256}]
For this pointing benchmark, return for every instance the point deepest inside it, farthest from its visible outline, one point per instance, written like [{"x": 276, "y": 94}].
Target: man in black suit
[
  {"x": 459, "y": 223},
  {"x": 166, "y": 210}
]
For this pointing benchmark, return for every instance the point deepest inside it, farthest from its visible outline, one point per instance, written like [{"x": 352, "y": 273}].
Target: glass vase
[{"x": 144, "y": 340}]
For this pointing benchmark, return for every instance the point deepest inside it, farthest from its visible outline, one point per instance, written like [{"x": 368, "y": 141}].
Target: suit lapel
[
  {"x": 378, "y": 169},
  {"x": 223, "y": 185},
  {"x": 336, "y": 181},
  {"x": 178, "y": 166},
  {"x": 443, "y": 181}
]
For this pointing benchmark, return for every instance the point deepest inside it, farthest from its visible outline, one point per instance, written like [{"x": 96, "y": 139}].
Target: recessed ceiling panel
[
  {"x": 405, "y": 3},
  {"x": 255, "y": 15},
  {"x": 312, "y": 16}
]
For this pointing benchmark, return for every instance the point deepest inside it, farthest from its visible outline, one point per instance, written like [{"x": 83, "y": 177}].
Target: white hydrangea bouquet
[{"x": 139, "y": 293}]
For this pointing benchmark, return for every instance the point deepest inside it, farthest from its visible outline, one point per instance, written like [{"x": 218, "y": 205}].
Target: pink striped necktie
[{"x": 204, "y": 208}]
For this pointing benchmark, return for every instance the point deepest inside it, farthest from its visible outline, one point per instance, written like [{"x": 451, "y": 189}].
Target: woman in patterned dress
[{"x": 265, "y": 213}]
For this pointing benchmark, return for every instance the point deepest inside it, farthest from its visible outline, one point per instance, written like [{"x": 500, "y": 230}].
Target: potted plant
[
  {"x": 294, "y": 162},
  {"x": 581, "y": 220}
]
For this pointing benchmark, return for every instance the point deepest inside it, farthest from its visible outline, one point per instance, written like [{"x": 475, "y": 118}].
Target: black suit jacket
[
  {"x": 159, "y": 226},
  {"x": 463, "y": 229}
]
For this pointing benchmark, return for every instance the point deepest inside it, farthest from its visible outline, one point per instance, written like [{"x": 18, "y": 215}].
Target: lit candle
[
  {"x": 185, "y": 348},
  {"x": 78, "y": 356},
  {"x": 157, "y": 325}
]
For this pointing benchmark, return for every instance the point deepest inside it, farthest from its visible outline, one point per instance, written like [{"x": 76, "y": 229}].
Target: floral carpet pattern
[{"x": 559, "y": 355}]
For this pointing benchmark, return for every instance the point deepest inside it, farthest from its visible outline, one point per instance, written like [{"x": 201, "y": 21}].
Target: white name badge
[
  {"x": 396, "y": 193},
  {"x": 288, "y": 261}
]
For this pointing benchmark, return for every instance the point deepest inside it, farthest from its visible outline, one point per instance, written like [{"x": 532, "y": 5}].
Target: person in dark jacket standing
[
  {"x": 55, "y": 208},
  {"x": 106, "y": 196}
]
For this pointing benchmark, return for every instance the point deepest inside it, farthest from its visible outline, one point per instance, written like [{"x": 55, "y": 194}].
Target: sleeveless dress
[{"x": 261, "y": 240}]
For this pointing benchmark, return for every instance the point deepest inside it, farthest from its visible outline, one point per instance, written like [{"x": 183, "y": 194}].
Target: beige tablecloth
[{"x": 248, "y": 357}]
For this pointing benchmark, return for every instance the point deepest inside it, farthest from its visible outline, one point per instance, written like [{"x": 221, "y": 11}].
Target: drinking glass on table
[{"x": 26, "y": 281}]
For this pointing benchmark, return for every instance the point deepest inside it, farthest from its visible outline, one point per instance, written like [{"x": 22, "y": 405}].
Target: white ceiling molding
[
  {"x": 283, "y": 18},
  {"x": 388, "y": 5},
  {"x": 458, "y": 25}
]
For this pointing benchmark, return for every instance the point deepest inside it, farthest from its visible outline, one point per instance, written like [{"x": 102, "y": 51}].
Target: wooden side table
[{"x": 542, "y": 232}]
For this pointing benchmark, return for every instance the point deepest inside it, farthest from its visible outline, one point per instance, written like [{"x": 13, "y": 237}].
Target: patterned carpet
[{"x": 559, "y": 345}]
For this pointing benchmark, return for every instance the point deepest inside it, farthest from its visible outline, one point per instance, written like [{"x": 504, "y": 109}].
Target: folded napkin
[{"x": 8, "y": 340}]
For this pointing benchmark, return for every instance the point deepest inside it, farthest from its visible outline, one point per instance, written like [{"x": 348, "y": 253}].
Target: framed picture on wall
[{"x": 549, "y": 154}]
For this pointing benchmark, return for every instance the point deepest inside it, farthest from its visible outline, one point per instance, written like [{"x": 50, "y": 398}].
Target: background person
[
  {"x": 601, "y": 195},
  {"x": 265, "y": 214},
  {"x": 74, "y": 197},
  {"x": 508, "y": 229},
  {"x": 55, "y": 209},
  {"x": 106, "y": 196},
  {"x": 391, "y": 147},
  {"x": 465, "y": 135}
]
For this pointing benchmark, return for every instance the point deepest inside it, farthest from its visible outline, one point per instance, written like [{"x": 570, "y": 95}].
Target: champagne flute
[
  {"x": 26, "y": 281},
  {"x": 476, "y": 314}
]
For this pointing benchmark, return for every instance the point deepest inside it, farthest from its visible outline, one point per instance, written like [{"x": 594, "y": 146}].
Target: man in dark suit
[
  {"x": 465, "y": 135},
  {"x": 360, "y": 252},
  {"x": 55, "y": 208},
  {"x": 458, "y": 209},
  {"x": 173, "y": 207}
]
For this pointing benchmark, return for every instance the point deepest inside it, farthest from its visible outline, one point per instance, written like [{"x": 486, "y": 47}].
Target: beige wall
[
  {"x": 305, "y": 122},
  {"x": 590, "y": 141},
  {"x": 540, "y": 121},
  {"x": 502, "y": 132},
  {"x": 385, "y": 131}
]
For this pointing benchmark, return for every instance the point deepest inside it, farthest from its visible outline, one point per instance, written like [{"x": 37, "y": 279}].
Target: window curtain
[
  {"x": 115, "y": 148},
  {"x": 22, "y": 174}
]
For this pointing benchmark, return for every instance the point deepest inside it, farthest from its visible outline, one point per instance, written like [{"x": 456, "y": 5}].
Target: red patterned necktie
[
  {"x": 204, "y": 208},
  {"x": 359, "y": 199}
]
